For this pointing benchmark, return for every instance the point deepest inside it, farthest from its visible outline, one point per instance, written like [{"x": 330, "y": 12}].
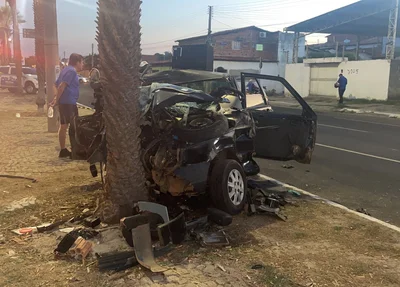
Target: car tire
[
  {"x": 228, "y": 186},
  {"x": 30, "y": 88},
  {"x": 216, "y": 129}
]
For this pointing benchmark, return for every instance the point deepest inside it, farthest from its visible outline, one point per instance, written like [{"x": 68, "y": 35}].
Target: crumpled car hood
[{"x": 164, "y": 95}]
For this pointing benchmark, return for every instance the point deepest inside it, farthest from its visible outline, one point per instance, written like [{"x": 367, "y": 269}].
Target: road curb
[{"x": 327, "y": 201}]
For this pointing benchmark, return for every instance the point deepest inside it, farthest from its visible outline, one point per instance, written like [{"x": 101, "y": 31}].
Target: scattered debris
[
  {"x": 117, "y": 261},
  {"x": 81, "y": 248},
  {"x": 219, "y": 217},
  {"x": 258, "y": 267},
  {"x": 18, "y": 204},
  {"x": 218, "y": 238},
  {"x": 143, "y": 248},
  {"x": 162, "y": 210},
  {"x": 18, "y": 177},
  {"x": 31, "y": 230},
  {"x": 18, "y": 115},
  {"x": 86, "y": 211},
  {"x": 11, "y": 253},
  {"x": 65, "y": 244},
  {"x": 2, "y": 239},
  {"x": 362, "y": 210},
  {"x": 287, "y": 166},
  {"x": 293, "y": 192},
  {"x": 221, "y": 267},
  {"x": 91, "y": 221}
]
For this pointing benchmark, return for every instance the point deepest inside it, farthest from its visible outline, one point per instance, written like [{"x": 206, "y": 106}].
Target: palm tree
[
  {"x": 118, "y": 37},
  {"x": 39, "y": 53},
  {"x": 6, "y": 23}
]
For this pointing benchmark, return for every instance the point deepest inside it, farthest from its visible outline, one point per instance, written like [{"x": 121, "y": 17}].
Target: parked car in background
[
  {"x": 83, "y": 80},
  {"x": 8, "y": 79}
]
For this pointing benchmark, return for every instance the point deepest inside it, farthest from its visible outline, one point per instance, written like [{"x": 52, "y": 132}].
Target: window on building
[{"x": 236, "y": 45}]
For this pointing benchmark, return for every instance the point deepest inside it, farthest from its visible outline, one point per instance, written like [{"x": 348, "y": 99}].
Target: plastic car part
[
  {"x": 213, "y": 238},
  {"x": 219, "y": 217},
  {"x": 131, "y": 222},
  {"x": 144, "y": 249},
  {"x": 162, "y": 210}
]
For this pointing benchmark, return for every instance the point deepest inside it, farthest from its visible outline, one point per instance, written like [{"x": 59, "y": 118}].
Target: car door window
[{"x": 282, "y": 135}]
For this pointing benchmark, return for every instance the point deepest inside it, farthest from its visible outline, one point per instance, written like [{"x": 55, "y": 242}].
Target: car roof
[{"x": 177, "y": 77}]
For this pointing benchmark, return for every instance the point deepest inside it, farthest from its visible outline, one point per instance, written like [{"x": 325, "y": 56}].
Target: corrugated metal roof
[{"x": 366, "y": 17}]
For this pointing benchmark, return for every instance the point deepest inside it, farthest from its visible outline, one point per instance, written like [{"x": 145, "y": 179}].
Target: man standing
[
  {"x": 341, "y": 85},
  {"x": 67, "y": 94}
]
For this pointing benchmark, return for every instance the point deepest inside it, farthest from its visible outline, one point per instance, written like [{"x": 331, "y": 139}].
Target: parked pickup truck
[{"x": 8, "y": 79}]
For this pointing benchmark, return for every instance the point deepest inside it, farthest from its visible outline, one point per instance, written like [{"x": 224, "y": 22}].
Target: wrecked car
[{"x": 199, "y": 136}]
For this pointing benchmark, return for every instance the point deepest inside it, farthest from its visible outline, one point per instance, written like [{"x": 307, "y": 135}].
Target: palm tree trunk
[
  {"x": 39, "y": 52},
  {"x": 118, "y": 37}
]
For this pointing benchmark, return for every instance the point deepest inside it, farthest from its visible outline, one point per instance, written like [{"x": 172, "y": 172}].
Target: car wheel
[
  {"x": 203, "y": 128},
  {"x": 228, "y": 186},
  {"x": 30, "y": 88}
]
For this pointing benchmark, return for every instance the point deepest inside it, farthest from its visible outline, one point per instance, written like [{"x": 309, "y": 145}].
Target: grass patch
[
  {"x": 274, "y": 278},
  {"x": 338, "y": 228}
]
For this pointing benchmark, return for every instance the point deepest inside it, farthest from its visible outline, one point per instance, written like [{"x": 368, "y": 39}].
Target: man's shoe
[{"x": 65, "y": 153}]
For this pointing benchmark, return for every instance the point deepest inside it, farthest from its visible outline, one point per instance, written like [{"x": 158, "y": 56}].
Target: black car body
[{"x": 198, "y": 134}]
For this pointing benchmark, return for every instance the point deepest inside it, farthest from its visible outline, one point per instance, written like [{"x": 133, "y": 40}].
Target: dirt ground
[{"x": 319, "y": 245}]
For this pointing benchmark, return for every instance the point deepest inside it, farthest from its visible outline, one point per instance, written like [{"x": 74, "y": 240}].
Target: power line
[
  {"x": 271, "y": 6},
  {"x": 174, "y": 39},
  {"x": 222, "y": 23}
]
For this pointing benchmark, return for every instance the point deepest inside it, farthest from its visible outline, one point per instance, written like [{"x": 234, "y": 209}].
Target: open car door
[{"x": 281, "y": 136}]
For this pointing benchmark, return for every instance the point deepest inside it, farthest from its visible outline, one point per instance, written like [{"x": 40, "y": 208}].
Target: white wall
[
  {"x": 285, "y": 50},
  {"x": 298, "y": 75},
  {"x": 269, "y": 68},
  {"x": 366, "y": 79}
]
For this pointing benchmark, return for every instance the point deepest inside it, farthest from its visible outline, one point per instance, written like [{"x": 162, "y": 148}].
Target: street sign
[{"x": 29, "y": 33}]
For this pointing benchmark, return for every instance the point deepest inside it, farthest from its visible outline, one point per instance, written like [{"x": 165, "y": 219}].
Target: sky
[{"x": 165, "y": 21}]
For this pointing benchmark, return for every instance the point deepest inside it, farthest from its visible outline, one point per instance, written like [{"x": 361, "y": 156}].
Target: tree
[
  {"x": 163, "y": 57},
  {"x": 6, "y": 30},
  {"x": 39, "y": 53},
  {"x": 88, "y": 62},
  {"x": 118, "y": 38}
]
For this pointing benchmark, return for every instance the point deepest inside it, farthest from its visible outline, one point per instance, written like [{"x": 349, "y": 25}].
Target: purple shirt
[{"x": 71, "y": 92}]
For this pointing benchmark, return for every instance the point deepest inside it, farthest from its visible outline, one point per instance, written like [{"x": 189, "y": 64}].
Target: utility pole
[
  {"x": 16, "y": 44},
  {"x": 392, "y": 30},
  {"x": 295, "y": 58},
  {"x": 210, "y": 14},
  {"x": 51, "y": 52},
  {"x": 337, "y": 49},
  {"x": 92, "y": 56},
  {"x": 64, "y": 55}
]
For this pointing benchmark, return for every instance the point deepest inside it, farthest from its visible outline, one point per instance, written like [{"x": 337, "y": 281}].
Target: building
[{"x": 251, "y": 49}]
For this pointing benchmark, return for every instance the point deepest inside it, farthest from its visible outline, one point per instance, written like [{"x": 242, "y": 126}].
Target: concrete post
[
  {"x": 52, "y": 58},
  {"x": 16, "y": 45}
]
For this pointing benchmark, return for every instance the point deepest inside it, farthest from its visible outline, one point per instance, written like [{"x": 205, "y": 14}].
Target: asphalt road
[{"x": 356, "y": 163}]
